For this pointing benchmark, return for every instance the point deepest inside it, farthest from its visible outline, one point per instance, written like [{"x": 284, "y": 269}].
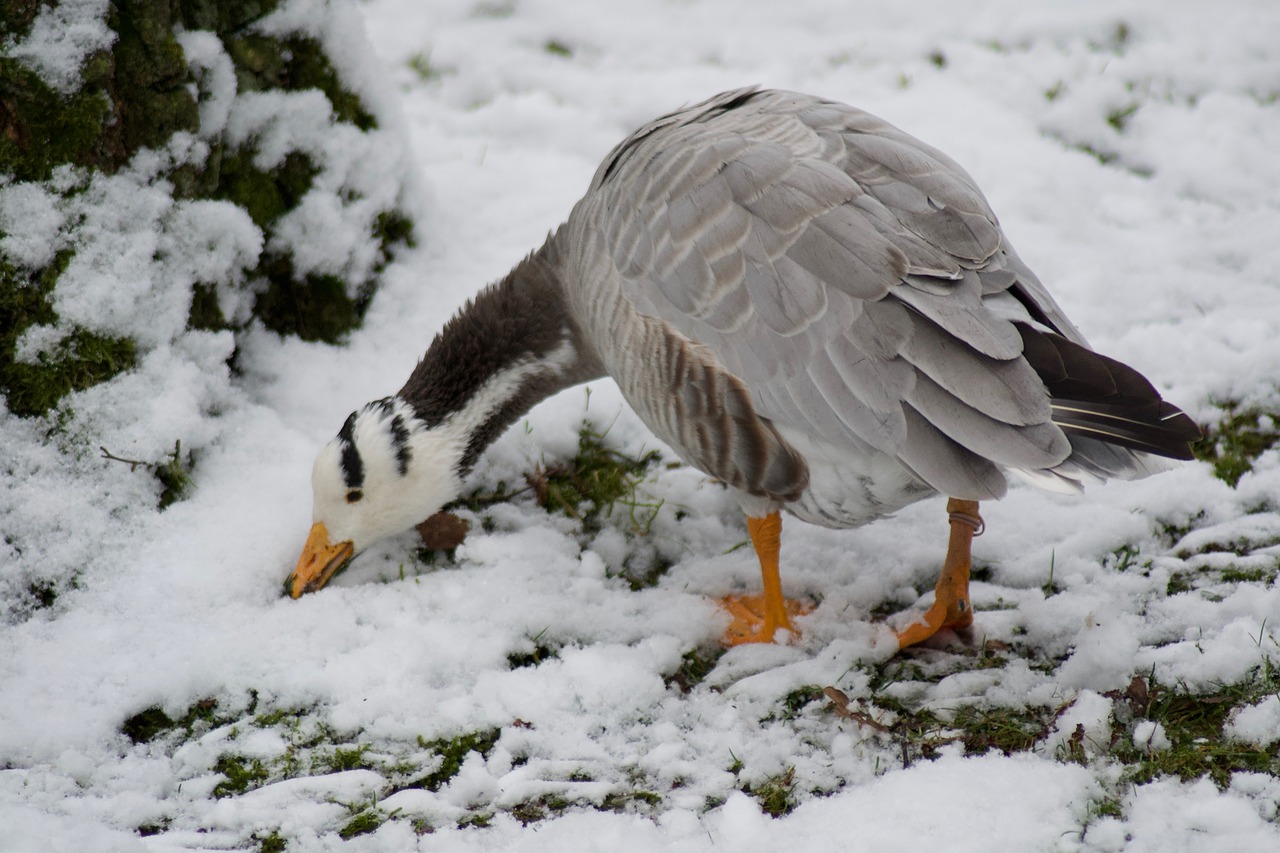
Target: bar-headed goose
[{"x": 803, "y": 302}]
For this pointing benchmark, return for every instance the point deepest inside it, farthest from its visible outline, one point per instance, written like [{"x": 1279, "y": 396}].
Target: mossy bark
[
  {"x": 80, "y": 361},
  {"x": 137, "y": 95}
]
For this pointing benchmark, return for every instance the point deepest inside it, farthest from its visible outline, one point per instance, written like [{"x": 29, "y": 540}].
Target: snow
[
  {"x": 1150, "y": 736},
  {"x": 62, "y": 37},
  {"x": 1259, "y": 724},
  {"x": 1165, "y": 256}
]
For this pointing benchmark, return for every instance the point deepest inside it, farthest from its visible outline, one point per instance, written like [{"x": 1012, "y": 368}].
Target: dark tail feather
[
  {"x": 1096, "y": 397},
  {"x": 1153, "y": 427}
]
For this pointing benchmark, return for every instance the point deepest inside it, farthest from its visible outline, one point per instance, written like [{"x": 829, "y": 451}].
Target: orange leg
[
  {"x": 951, "y": 607},
  {"x": 756, "y": 618}
]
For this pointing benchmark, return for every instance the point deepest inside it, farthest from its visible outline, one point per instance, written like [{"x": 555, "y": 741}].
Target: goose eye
[{"x": 354, "y": 495}]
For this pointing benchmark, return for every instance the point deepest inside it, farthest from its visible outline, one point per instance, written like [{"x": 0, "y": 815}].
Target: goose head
[{"x": 385, "y": 471}]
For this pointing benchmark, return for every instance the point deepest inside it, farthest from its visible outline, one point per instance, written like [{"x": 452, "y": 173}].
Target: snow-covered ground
[{"x": 1130, "y": 150}]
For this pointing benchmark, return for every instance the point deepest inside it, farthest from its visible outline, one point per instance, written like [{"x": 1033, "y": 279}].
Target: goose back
[{"x": 768, "y": 269}]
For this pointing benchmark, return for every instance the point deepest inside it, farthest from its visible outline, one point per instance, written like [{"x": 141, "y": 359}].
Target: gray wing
[{"x": 852, "y": 277}]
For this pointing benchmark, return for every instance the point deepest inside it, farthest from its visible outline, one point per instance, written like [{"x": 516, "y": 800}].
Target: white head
[
  {"x": 389, "y": 469},
  {"x": 383, "y": 473}
]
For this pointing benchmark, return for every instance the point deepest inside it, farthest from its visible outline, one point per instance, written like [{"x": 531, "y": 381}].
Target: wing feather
[
  {"x": 850, "y": 279},
  {"x": 1007, "y": 390}
]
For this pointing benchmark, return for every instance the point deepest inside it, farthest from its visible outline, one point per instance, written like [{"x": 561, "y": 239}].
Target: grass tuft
[
  {"x": 174, "y": 474},
  {"x": 589, "y": 485},
  {"x": 695, "y": 666},
  {"x": 532, "y": 811},
  {"x": 541, "y": 651},
  {"x": 556, "y": 47},
  {"x": 343, "y": 759},
  {"x": 775, "y": 794},
  {"x": 151, "y": 723},
  {"x": 420, "y": 63},
  {"x": 273, "y": 842},
  {"x": 452, "y": 752},
  {"x": 797, "y": 700},
  {"x": 1233, "y": 443},
  {"x": 632, "y": 801},
  {"x": 241, "y": 773},
  {"x": 1193, "y": 723},
  {"x": 365, "y": 820}
]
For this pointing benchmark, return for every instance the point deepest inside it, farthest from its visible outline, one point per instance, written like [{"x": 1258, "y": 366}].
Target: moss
[
  {"x": 205, "y": 313},
  {"x": 80, "y": 361},
  {"x": 221, "y": 16},
  {"x": 266, "y": 196},
  {"x": 317, "y": 308},
  {"x": 43, "y": 128},
  {"x": 136, "y": 94},
  {"x": 152, "y": 95},
  {"x": 16, "y": 17},
  {"x": 392, "y": 228},
  {"x": 139, "y": 93},
  {"x": 294, "y": 63},
  {"x": 24, "y": 299}
]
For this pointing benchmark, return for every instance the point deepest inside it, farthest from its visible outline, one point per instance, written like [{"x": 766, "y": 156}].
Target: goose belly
[{"x": 849, "y": 486}]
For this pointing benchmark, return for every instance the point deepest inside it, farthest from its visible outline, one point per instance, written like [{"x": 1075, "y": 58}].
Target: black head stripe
[
  {"x": 352, "y": 466},
  {"x": 400, "y": 441}
]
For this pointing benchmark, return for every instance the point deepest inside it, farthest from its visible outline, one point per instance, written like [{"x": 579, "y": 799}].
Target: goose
[{"x": 802, "y": 301}]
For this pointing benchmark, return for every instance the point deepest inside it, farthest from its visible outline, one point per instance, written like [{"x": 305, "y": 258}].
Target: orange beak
[{"x": 319, "y": 562}]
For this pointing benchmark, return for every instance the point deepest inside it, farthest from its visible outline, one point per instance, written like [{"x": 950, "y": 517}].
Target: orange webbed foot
[
  {"x": 952, "y": 607},
  {"x": 758, "y": 618},
  {"x": 755, "y": 621}
]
